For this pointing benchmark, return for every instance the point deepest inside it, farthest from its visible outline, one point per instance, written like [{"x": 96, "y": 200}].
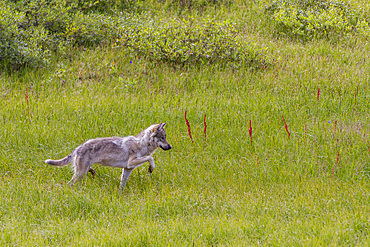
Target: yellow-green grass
[{"x": 222, "y": 190}]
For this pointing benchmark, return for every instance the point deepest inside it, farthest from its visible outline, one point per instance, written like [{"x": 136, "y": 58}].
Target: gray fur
[{"x": 122, "y": 152}]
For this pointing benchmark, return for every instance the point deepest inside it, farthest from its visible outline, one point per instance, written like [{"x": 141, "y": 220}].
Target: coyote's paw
[
  {"x": 150, "y": 169},
  {"x": 93, "y": 172}
]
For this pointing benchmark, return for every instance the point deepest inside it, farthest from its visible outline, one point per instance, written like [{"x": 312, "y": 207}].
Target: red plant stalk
[
  {"x": 188, "y": 124},
  {"x": 286, "y": 127},
  {"x": 205, "y": 128},
  {"x": 337, "y": 158},
  {"x": 305, "y": 130},
  {"x": 318, "y": 94},
  {"x": 335, "y": 126},
  {"x": 250, "y": 130}
]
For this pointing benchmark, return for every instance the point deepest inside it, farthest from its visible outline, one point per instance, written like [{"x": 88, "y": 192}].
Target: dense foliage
[
  {"x": 317, "y": 18},
  {"x": 185, "y": 41},
  {"x": 33, "y": 31},
  {"x": 21, "y": 42}
]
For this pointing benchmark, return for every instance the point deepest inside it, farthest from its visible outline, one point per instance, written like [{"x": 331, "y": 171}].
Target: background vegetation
[{"x": 72, "y": 71}]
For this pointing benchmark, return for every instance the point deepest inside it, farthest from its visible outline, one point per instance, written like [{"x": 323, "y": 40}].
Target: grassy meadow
[{"x": 309, "y": 188}]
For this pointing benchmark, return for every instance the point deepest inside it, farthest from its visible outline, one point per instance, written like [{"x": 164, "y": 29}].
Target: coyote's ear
[
  {"x": 155, "y": 128},
  {"x": 162, "y": 125}
]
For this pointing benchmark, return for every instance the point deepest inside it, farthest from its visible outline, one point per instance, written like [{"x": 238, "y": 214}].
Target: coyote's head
[{"x": 159, "y": 136}]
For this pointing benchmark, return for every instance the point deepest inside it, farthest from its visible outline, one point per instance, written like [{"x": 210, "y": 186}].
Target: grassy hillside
[{"x": 307, "y": 188}]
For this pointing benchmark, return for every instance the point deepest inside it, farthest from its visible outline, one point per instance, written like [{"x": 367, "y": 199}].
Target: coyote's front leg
[{"x": 151, "y": 165}]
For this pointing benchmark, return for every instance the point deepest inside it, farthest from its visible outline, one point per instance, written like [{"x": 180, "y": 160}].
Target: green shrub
[
  {"x": 110, "y": 6},
  {"x": 92, "y": 29},
  {"x": 317, "y": 18},
  {"x": 196, "y": 4},
  {"x": 18, "y": 45},
  {"x": 31, "y": 31},
  {"x": 186, "y": 42}
]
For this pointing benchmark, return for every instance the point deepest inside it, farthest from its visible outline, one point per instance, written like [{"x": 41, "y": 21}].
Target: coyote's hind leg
[
  {"x": 124, "y": 177},
  {"x": 81, "y": 167}
]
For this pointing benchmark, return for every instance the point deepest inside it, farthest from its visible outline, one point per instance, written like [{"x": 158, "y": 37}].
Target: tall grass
[{"x": 278, "y": 191}]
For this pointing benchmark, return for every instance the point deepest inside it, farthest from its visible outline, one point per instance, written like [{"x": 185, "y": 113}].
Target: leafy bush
[
  {"x": 317, "y": 17},
  {"x": 31, "y": 31},
  {"x": 185, "y": 42},
  {"x": 196, "y": 4},
  {"x": 18, "y": 45},
  {"x": 92, "y": 29}
]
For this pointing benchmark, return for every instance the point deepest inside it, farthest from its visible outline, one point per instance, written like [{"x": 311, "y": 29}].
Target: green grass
[{"x": 278, "y": 191}]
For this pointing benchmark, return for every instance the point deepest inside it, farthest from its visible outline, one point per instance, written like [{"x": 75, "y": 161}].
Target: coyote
[{"x": 123, "y": 152}]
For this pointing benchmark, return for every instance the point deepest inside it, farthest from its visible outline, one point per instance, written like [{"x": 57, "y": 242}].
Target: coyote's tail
[{"x": 62, "y": 162}]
